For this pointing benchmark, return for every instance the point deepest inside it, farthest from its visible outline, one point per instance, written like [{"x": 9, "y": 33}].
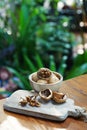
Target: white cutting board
[{"x": 48, "y": 110}]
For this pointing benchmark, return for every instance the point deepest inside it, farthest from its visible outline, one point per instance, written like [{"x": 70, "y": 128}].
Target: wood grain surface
[{"x": 75, "y": 88}]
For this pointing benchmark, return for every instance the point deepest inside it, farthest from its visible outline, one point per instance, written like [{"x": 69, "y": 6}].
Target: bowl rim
[{"x": 61, "y": 79}]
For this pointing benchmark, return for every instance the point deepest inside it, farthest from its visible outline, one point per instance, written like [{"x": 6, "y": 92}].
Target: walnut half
[
  {"x": 46, "y": 94},
  {"x": 59, "y": 97}
]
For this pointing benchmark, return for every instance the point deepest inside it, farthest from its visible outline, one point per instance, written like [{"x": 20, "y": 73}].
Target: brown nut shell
[
  {"x": 23, "y": 102},
  {"x": 59, "y": 97},
  {"x": 46, "y": 94}
]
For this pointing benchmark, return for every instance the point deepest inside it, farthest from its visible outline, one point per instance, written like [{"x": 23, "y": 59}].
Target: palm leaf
[
  {"x": 24, "y": 81},
  {"x": 77, "y": 71},
  {"x": 38, "y": 61},
  {"x": 30, "y": 64},
  {"x": 52, "y": 65}
]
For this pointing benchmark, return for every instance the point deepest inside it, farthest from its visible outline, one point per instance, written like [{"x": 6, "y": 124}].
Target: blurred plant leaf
[
  {"x": 52, "y": 65},
  {"x": 23, "y": 80},
  {"x": 77, "y": 71},
  {"x": 38, "y": 61},
  {"x": 63, "y": 65},
  {"x": 30, "y": 64}
]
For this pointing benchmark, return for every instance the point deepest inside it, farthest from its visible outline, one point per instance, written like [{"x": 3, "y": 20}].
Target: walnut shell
[
  {"x": 23, "y": 102},
  {"x": 59, "y": 97},
  {"x": 46, "y": 94}
]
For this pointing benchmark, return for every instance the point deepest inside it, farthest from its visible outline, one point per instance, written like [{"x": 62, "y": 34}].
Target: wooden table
[{"x": 75, "y": 88}]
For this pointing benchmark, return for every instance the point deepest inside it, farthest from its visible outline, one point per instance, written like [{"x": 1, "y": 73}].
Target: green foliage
[
  {"x": 79, "y": 66},
  {"x": 30, "y": 64},
  {"x": 81, "y": 69},
  {"x": 39, "y": 39},
  {"x": 23, "y": 79},
  {"x": 52, "y": 65},
  {"x": 5, "y": 92}
]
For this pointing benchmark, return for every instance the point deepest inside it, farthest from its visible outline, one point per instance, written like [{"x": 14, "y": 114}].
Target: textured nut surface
[
  {"x": 30, "y": 100},
  {"x": 23, "y": 102},
  {"x": 46, "y": 94},
  {"x": 43, "y": 73},
  {"x": 59, "y": 97}
]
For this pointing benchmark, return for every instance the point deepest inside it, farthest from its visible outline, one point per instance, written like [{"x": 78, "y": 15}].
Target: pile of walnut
[
  {"x": 45, "y": 76},
  {"x": 47, "y": 95},
  {"x": 30, "y": 100}
]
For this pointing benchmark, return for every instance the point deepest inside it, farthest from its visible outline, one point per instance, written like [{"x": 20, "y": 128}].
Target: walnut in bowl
[{"x": 45, "y": 79}]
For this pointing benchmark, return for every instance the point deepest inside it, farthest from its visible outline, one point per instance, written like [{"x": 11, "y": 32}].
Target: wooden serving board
[{"x": 47, "y": 110}]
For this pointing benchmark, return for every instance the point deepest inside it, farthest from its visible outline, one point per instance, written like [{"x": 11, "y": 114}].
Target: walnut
[
  {"x": 34, "y": 103},
  {"x": 28, "y": 98},
  {"x": 59, "y": 97},
  {"x": 31, "y": 100},
  {"x": 44, "y": 73},
  {"x": 46, "y": 94},
  {"x": 23, "y": 102},
  {"x": 41, "y": 81},
  {"x": 53, "y": 78}
]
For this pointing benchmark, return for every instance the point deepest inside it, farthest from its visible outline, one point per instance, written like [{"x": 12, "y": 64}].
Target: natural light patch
[
  {"x": 79, "y": 11},
  {"x": 3, "y": 13},
  {"x": 85, "y": 46},
  {"x": 80, "y": 51},
  {"x": 81, "y": 1},
  {"x": 47, "y": 4},
  {"x": 69, "y": 2},
  {"x": 7, "y": 6},
  {"x": 81, "y": 24},
  {"x": 60, "y": 5},
  {"x": 14, "y": 123},
  {"x": 65, "y": 24},
  {"x": 9, "y": 32},
  {"x": 1, "y": 24}
]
